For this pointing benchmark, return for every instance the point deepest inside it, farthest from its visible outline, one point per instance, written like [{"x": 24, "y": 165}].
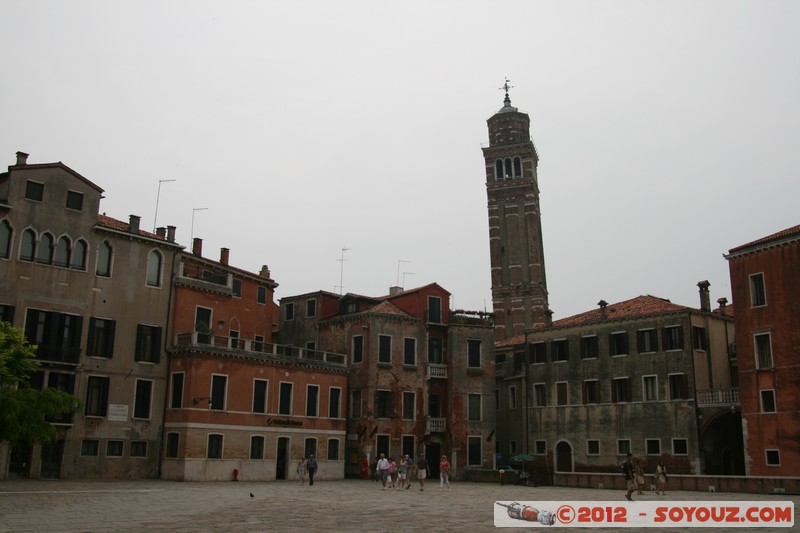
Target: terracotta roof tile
[
  {"x": 640, "y": 306},
  {"x": 789, "y": 232},
  {"x": 112, "y": 223}
]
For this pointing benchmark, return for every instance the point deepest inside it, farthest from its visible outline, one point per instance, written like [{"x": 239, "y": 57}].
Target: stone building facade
[
  {"x": 92, "y": 293},
  {"x": 765, "y": 280},
  {"x": 644, "y": 376},
  {"x": 421, "y": 379}
]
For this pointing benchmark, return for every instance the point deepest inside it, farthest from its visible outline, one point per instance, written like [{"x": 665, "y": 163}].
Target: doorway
[
  {"x": 52, "y": 453},
  {"x": 563, "y": 457},
  {"x": 433, "y": 454},
  {"x": 282, "y": 458}
]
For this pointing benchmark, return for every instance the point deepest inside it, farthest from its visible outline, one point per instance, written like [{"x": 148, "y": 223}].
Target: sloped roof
[
  {"x": 788, "y": 233},
  {"x": 386, "y": 308},
  {"x": 118, "y": 225}
]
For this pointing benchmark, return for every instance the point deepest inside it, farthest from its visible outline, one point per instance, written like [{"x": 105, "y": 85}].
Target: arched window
[
  {"x": 104, "y": 255},
  {"x": 78, "y": 260},
  {"x": 62, "y": 252},
  {"x": 5, "y": 239},
  {"x": 509, "y": 171},
  {"x": 517, "y": 167},
  {"x": 45, "y": 252},
  {"x": 28, "y": 246},
  {"x": 498, "y": 169},
  {"x": 154, "y": 269}
]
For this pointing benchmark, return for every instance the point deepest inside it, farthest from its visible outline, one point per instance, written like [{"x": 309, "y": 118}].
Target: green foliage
[{"x": 24, "y": 410}]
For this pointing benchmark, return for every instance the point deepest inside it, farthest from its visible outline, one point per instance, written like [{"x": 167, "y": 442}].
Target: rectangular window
[
  {"x": 285, "y": 399},
  {"x": 540, "y": 447},
  {"x": 592, "y": 447},
  {"x": 57, "y": 336},
  {"x": 258, "y": 343},
  {"x": 537, "y": 353},
  {"x": 512, "y": 397},
  {"x": 512, "y": 447},
  {"x": 646, "y": 341},
  {"x": 699, "y": 339},
  {"x": 474, "y": 408},
  {"x": 767, "y": 401},
  {"x": 219, "y": 386},
  {"x": 96, "y": 396},
  {"x": 409, "y": 405},
  {"x": 589, "y": 347},
  {"x": 90, "y": 447},
  {"x": 591, "y": 391},
  {"x": 618, "y": 343},
  {"x": 214, "y": 450},
  {"x": 310, "y": 447},
  {"x": 560, "y": 350},
  {"x": 623, "y": 447},
  {"x": 311, "y": 308},
  {"x": 138, "y": 448},
  {"x": 334, "y": 402},
  {"x": 474, "y": 451},
  {"x": 539, "y": 395},
  {"x": 148, "y": 344},
  {"x": 312, "y": 400},
  {"x": 290, "y": 311},
  {"x": 434, "y": 405},
  {"x": 409, "y": 351},
  {"x": 256, "y": 447},
  {"x": 260, "y": 395},
  {"x": 176, "y": 391},
  {"x": 678, "y": 387},
  {"x": 358, "y": 349},
  {"x": 383, "y": 404},
  {"x": 680, "y": 447},
  {"x": 473, "y": 353},
  {"x": 673, "y": 338},
  {"x": 333, "y": 449},
  {"x": 434, "y": 309},
  {"x": 261, "y": 295},
  {"x": 237, "y": 288},
  {"x": 763, "y": 346},
  {"x": 758, "y": 292},
  {"x": 435, "y": 353},
  {"x": 772, "y": 457},
  {"x": 385, "y": 349},
  {"x": 75, "y": 200},
  {"x": 620, "y": 390},
  {"x": 561, "y": 393},
  {"x": 34, "y": 191},
  {"x": 650, "y": 388},
  {"x": 653, "y": 446},
  {"x": 172, "y": 445},
  {"x": 101, "y": 338},
  {"x": 144, "y": 395},
  {"x": 114, "y": 448},
  {"x": 355, "y": 404}
]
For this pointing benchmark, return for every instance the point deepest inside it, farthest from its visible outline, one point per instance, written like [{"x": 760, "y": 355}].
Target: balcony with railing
[
  {"x": 258, "y": 349},
  {"x": 435, "y": 425},
  {"x": 718, "y": 397},
  {"x": 436, "y": 371},
  {"x": 192, "y": 275}
]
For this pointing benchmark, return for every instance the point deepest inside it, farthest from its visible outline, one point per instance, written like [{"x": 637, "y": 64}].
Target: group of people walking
[
  {"x": 634, "y": 477},
  {"x": 394, "y": 474},
  {"x": 307, "y": 467}
]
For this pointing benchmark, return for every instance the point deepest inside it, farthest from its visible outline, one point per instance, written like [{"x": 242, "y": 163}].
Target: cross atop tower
[{"x": 506, "y": 87}]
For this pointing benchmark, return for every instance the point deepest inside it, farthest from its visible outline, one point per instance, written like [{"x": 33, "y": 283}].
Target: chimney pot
[
  {"x": 265, "y": 273},
  {"x": 224, "y": 253},
  {"x": 705, "y": 296},
  {"x": 170, "y": 233},
  {"x": 22, "y": 158},
  {"x": 197, "y": 246},
  {"x": 161, "y": 232},
  {"x": 133, "y": 224}
]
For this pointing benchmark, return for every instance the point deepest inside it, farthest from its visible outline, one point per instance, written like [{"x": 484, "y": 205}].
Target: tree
[{"x": 24, "y": 410}]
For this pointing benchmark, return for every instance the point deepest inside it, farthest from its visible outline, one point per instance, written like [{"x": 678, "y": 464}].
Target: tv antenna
[{"x": 340, "y": 286}]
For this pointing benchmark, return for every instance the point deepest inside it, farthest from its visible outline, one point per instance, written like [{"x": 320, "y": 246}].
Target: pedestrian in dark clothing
[
  {"x": 630, "y": 478},
  {"x": 312, "y": 468}
]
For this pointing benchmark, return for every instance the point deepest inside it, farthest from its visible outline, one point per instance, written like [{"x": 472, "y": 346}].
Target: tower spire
[{"x": 506, "y": 87}]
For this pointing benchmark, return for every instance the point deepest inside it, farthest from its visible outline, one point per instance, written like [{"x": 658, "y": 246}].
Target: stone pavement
[{"x": 285, "y": 506}]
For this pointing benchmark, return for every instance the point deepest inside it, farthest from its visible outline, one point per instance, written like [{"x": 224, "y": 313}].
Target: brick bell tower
[{"x": 519, "y": 286}]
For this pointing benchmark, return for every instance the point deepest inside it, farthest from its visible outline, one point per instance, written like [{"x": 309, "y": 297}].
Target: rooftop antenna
[
  {"x": 158, "y": 197},
  {"x": 398, "y": 270},
  {"x": 404, "y": 278},
  {"x": 340, "y": 286}
]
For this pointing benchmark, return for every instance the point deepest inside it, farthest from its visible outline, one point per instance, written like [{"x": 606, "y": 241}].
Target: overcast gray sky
[{"x": 667, "y": 132}]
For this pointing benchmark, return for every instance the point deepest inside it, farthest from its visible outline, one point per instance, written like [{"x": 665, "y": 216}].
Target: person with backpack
[{"x": 630, "y": 479}]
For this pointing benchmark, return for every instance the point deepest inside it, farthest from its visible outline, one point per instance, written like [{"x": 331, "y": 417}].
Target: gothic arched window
[
  {"x": 154, "y": 269},
  {"x": 104, "y": 255},
  {"x": 78, "y": 260},
  {"x": 517, "y": 167},
  {"x": 509, "y": 170},
  {"x": 62, "y": 252},
  {"x": 5, "y": 239},
  {"x": 28, "y": 245},
  {"x": 45, "y": 252}
]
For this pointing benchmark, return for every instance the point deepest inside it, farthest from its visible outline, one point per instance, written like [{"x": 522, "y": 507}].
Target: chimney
[
  {"x": 548, "y": 317},
  {"x": 161, "y": 232},
  {"x": 197, "y": 247},
  {"x": 22, "y": 158},
  {"x": 264, "y": 272},
  {"x": 134, "y": 224},
  {"x": 170, "y": 233},
  {"x": 723, "y": 306},
  {"x": 603, "y": 304},
  {"x": 223, "y": 255},
  {"x": 705, "y": 296},
  {"x": 395, "y": 290}
]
